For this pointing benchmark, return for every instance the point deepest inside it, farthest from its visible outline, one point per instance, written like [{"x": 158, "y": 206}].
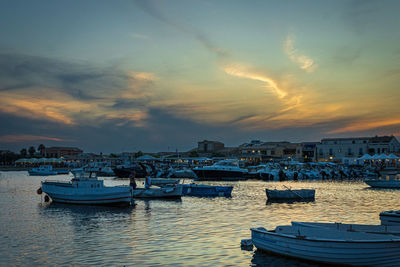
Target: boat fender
[
  {"x": 39, "y": 191},
  {"x": 46, "y": 198}
]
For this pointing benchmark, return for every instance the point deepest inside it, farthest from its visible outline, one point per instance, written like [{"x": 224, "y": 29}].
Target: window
[
  {"x": 361, "y": 151},
  {"x": 321, "y": 152},
  {"x": 330, "y": 151}
]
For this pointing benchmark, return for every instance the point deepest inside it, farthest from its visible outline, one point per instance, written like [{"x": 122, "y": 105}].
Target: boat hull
[
  {"x": 219, "y": 175},
  {"x": 380, "y": 183},
  {"x": 301, "y": 194},
  {"x": 69, "y": 193},
  {"x": 356, "y": 253},
  {"x": 158, "y": 192},
  {"x": 207, "y": 190}
]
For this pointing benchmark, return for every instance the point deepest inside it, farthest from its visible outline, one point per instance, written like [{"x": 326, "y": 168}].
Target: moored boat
[
  {"x": 224, "y": 170},
  {"x": 200, "y": 190},
  {"x": 383, "y": 183},
  {"x": 329, "y": 245},
  {"x": 290, "y": 194},
  {"x": 43, "y": 170},
  {"x": 86, "y": 188},
  {"x": 160, "y": 188}
]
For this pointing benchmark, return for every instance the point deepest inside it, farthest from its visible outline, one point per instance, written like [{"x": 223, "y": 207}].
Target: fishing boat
[
  {"x": 202, "y": 190},
  {"x": 366, "y": 228},
  {"x": 329, "y": 245},
  {"x": 86, "y": 188},
  {"x": 391, "y": 217},
  {"x": 160, "y": 188},
  {"x": 290, "y": 194}
]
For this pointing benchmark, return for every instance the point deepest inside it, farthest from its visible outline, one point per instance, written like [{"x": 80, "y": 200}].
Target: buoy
[
  {"x": 246, "y": 242},
  {"x": 39, "y": 191},
  {"x": 46, "y": 198}
]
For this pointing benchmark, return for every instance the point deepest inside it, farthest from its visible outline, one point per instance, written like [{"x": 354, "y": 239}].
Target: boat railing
[{"x": 57, "y": 181}]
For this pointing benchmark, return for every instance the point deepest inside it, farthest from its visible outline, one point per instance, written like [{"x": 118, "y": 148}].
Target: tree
[
  {"x": 138, "y": 154},
  {"x": 32, "y": 151},
  {"x": 41, "y": 148},
  {"x": 23, "y": 152}
]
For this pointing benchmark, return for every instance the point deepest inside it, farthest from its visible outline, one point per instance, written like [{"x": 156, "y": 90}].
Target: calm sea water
[{"x": 190, "y": 232}]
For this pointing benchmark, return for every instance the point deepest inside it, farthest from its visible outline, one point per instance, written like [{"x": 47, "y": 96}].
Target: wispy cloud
[
  {"x": 28, "y": 138},
  {"x": 139, "y": 36},
  {"x": 306, "y": 63},
  {"x": 361, "y": 126},
  {"x": 240, "y": 70}
]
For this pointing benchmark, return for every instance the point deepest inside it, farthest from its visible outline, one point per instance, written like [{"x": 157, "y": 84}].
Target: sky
[{"x": 115, "y": 76}]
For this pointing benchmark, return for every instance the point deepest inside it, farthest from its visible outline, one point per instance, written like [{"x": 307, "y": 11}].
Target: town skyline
[{"x": 157, "y": 76}]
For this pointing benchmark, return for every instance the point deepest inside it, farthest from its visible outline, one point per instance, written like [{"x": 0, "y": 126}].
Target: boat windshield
[
  {"x": 231, "y": 163},
  {"x": 85, "y": 175}
]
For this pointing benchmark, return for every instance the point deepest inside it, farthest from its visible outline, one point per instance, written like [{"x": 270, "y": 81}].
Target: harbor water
[{"x": 190, "y": 232}]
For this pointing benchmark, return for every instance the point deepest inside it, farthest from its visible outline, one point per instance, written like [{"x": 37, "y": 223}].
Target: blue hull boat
[{"x": 199, "y": 190}]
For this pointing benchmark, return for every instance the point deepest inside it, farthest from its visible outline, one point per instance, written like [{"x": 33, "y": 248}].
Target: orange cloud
[
  {"x": 365, "y": 126},
  {"x": 27, "y": 137},
  {"x": 241, "y": 71}
]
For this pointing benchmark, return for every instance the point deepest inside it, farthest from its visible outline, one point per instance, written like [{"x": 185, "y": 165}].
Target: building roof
[
  {"x": 345, "y": 138},
  {"x": 381, "y": 139}
]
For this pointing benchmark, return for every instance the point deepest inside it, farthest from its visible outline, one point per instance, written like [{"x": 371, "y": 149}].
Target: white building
[{"x": 341, "y": 149}]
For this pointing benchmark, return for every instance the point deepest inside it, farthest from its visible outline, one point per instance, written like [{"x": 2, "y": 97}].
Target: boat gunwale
[{"x": 316, "y": 239}]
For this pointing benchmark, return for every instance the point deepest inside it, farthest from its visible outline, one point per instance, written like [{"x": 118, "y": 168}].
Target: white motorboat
[
  {"x": 290, "y": 194},
  {"x": 222, "y": 170},
  {"x": 160, "y": 188},
  {"x": 383, "y": 183},
  {"x": 330, "y": 245},
  {"x": 86, "y": 188},
  {"x": 43, "y": 170},
  {"x": 391, "y": 217},
  {"x": 366, "y": 228}
]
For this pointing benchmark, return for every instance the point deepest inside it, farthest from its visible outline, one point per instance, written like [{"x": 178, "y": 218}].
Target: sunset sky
[{"x": 113, "y": 76}]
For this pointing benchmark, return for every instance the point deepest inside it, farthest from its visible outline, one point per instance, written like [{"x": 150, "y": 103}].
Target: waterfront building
[
  {"x": 351, "y": 148},
  {"x": 383, "y": 144},
  {"x": 257, "y": 151},
  {"x": 207, "y": 146},
  {"x": 58, "y": 152},
  {"x": 307, "y": 151}
]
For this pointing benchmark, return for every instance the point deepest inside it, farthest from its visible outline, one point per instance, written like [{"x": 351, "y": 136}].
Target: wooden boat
[
  {"x": 366, "y": 228},
  {"x": 201, "y": 190},
  {"x": 329, "y": 245},
  {"x": 290, "y": 194},
  {"x": 391, "y": 217},
  {"x": 85, "y": 188}
]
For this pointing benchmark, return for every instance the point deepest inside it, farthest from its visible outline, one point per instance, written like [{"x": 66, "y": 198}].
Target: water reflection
[
  {"x": 289, "y": 201},
  {"x": 263, "y": 258}
]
